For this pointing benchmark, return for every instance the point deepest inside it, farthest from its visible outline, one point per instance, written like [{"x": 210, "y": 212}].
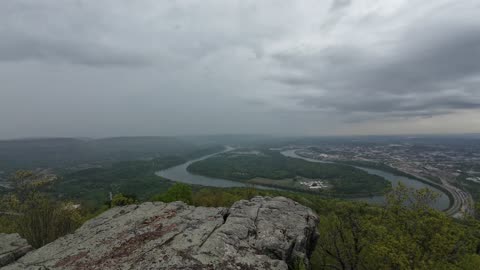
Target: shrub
[
  {"x": 41, "y": 220},
  {"x": 178, "y": 192},
  {"x": 121, "y": 200},
  {"x": 34, "y": 215}
]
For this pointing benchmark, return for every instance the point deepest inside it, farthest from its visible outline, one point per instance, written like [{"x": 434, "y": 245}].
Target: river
[
  {"x": 179, "y": 173},
  {"x": 442, "y": 203}
]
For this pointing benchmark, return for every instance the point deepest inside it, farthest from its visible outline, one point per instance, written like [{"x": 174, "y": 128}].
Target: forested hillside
[{"x": 61, "y": 152}]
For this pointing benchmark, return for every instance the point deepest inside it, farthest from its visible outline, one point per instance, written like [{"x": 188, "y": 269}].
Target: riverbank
[
  {"x": 444, "y": 202},
  {"x": 453, "y": 207},
  {"x": 180, "y": 174},
  {"x": 287, "y": 173}
]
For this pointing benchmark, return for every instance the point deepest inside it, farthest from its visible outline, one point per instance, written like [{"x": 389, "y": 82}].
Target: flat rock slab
[
  {"x": 263, "y": 233},
  {"x": 12, "y": 247}
]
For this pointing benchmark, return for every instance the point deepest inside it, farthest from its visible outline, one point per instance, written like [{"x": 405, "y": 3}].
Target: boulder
[
  {"x": 262, "y": 233},
  {"x": 12, "y": 247}
]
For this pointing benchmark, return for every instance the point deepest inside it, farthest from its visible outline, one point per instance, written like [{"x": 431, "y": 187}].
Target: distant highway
[
  {"x": 462, "y": 204},
  {"x": 462, "y": 201}
]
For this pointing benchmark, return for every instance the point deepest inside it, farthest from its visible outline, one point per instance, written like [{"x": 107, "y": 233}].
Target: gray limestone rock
[
  {"x": 263, "y": 233},
  {"x": 12, "y": 247}
]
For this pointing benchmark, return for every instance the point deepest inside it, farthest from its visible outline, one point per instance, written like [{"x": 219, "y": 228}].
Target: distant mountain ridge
[{"x": 57, "y": 152}]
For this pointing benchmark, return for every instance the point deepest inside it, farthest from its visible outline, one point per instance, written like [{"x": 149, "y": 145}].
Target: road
[{"x": 462, "y": 201}]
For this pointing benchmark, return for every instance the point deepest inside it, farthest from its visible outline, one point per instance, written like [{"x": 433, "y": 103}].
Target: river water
[{"x": 179, "y": 173}]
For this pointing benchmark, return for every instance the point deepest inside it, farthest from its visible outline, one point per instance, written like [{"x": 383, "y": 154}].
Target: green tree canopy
[
  {"x": 33, "y": 214},
  {"x": 120, "y": 200},
  {"x": 178, "y": 192}
]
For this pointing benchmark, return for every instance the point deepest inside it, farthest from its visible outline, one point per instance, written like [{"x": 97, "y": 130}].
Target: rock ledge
[
  {"x": 12, "y": 247},
  {"x": 263, "y": 233}
]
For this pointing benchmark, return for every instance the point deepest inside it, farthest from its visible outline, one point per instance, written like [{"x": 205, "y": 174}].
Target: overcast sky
[{"x": 149, "y": 67}]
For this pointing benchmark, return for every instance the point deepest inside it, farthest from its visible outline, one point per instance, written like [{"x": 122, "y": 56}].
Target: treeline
[
  {"x": 92, "y": 186},
  {"x": 136, "y": 177},
  {"x": 70, "y": 152},
  {"x": 64, "y": 152},
  {"x": 273, "y": 165}
]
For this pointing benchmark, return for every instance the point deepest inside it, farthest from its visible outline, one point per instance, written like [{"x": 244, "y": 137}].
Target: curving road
[
  {"x": 462, "y": 204},
  {"x": 462, "y": 201}
]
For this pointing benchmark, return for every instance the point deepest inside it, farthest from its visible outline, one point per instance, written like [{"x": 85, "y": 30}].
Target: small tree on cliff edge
[
  {"x": 178, "y": 192},
  {"x": 34, "y": 215}
]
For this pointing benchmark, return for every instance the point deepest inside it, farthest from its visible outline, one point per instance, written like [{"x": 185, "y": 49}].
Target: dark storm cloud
[{"x": 431, "y": 70}]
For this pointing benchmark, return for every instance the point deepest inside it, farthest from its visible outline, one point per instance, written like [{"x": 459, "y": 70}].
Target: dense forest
[
  {"x": 137, "y": 178},
  {"x": 64, "y": 152},
  {"x": 113, "y": 165},
  {"x": 343, "y": 179}
]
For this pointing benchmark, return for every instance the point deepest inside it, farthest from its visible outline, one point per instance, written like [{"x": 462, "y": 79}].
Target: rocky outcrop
[
  {"x": 263, "y": 233},
  {"x": 12, "y": 247}
]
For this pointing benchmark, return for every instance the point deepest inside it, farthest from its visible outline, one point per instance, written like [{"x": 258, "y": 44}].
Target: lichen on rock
[{"x": 261, "y": 233}]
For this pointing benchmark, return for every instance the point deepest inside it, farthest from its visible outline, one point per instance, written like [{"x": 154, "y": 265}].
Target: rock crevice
[
  {"x": 261, "y": 233},
  {"x": 12, "y": 247}
]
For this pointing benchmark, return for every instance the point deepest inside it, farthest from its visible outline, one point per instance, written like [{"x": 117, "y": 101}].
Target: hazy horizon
[
  {"x": 181, "y": 136},
  {"x": 79, "y": 68}
]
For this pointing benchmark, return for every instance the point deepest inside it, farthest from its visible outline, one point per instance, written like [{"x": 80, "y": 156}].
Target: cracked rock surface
[
  {"x": 12, "y": 247},
  {"x": 263, "y": 233}
]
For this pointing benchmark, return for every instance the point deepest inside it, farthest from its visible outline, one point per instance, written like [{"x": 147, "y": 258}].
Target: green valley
[{"x": 271, "y": 168}]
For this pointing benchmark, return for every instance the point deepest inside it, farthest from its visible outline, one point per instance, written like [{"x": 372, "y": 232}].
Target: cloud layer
[
  {"x": 427, "y": 67},
  {"x": 293, "y": 67}
]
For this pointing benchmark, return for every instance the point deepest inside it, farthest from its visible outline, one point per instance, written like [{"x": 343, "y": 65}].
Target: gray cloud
[
  {"x": 71, "y": 32},
  {"x": 339, "y": 4},
  {"x": 83, "y": 53},
  {"x": 149, "y": 67},
  {"x": 125, "y": 33},
  {"x": 430, "y": 70}
]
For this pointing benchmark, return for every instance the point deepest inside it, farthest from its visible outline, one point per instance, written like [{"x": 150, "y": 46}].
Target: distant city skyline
[{"x": 78, "y": 68}]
